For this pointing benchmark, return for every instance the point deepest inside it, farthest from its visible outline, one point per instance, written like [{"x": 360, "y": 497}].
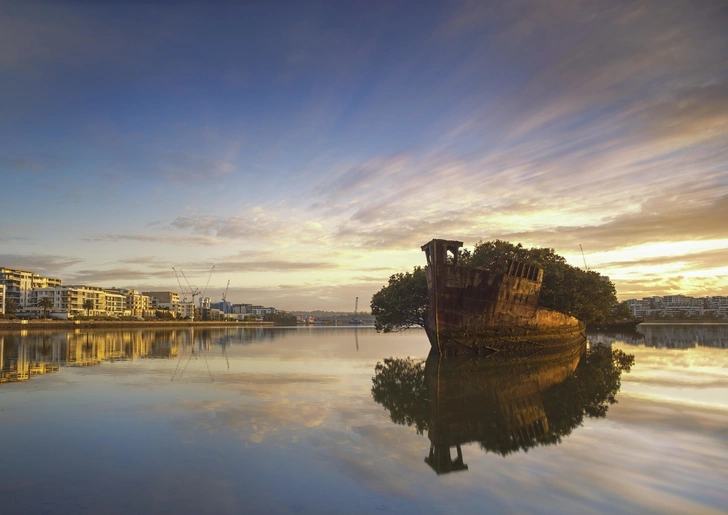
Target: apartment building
[
  {"x": 162, "y": 299},
  {"x": 2, "y": 299},
  {"x": 241, "y": 309},
  {"x": 135, "y": 302},
  {"x": 170, "y": 300},
  {"x": 19, "y": 284},
  {"x": 71, "y": 301},
  {"x": 262, "y": 310},
  {"x": 679, "y": 305},
  {"x": 185, "y": 310}
]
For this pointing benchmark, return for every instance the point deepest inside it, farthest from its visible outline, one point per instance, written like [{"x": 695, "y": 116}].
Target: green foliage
[
  {"x": 621, "y": 312},
  {"x": 399, "y": 386},
  {"x": 164, "y": 314},
  {"x": 587, "y": 296},
  {"x": 88, "y": 305},
  {"x": 403, "y": 303},
  {"x": 589, "y": 391},
  {"x": 10, "y": 306},
  {"x": 45, "y": 304},
  {"x": 281, "y": 319}
]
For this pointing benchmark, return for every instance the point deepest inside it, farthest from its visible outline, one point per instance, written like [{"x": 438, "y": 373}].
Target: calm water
[{"x": 332, "y": 420}]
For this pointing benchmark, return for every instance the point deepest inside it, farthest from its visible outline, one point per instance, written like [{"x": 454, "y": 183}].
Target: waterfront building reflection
[
  {"x": 27, "y": 353},
  {"x": 684, "y": 336},
  {"x": 672, "y": 335}
]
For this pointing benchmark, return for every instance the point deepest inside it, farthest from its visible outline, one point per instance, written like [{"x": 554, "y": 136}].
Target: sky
[{"x": 307, "y": 150}]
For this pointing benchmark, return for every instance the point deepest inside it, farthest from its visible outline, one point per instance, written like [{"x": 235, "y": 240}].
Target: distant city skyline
[{"x": 308, "y": 150}]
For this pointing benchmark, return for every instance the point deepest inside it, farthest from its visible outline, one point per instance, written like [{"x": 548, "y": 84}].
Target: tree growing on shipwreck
[{"x": 586, "y": 295}]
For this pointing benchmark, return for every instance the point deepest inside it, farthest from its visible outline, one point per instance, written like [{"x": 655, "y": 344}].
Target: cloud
[
  {"x": 173, "y": 240},
  {"x": 648, "y": 285},
  {"x": 552, "y": 124},
  {"x": 673, "y": 218},
  {"x": 43, "y": 264},
  {"x": 274, "y": 265},
  {"x": 151, "y": 261},
  {"x": 276, "y": 225},
  {"x": 123, "y": 275},
  {"x": 700, "y": 259}
]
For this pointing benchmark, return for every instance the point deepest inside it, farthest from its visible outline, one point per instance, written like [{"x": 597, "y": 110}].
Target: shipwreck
[
  {"x": 504, "y": 403},
  {"x": 482, "y": 311}
]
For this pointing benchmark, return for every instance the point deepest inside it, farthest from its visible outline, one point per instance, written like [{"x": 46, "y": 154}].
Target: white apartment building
[
  {"x": 185, "y": 310},
  {"x": 19, "y": 284},
  {"x": 170, "y": 300},
  {"x": 135, "y": 302},
  {"x": 69, "y": 301},
  {"x": 115, "y": 304},
  {"x": 679, "y": 305},
  {"x": 162, "y": 299},
  {"x": 2, "y": 299},
  {"x": 261, "y": 310}
]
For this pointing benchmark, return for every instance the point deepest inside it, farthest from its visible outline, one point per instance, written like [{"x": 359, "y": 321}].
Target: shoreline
[
  {"x": 106, "y": 324},
  {"x": 686, "y": 322}
]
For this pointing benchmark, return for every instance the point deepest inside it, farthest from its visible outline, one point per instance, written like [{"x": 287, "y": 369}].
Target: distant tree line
[{"x": 280, "y": 318}]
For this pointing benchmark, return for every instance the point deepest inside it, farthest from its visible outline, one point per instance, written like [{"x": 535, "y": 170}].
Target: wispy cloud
[
  {"x": 122, "y": 275},
  {"x": 171, "y": 240},
  {"x": 40, "y": 263},
  {"x": 334, "y": 146}
]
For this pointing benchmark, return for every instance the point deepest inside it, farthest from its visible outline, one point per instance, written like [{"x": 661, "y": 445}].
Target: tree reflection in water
[{"x": 506, "y": 404}]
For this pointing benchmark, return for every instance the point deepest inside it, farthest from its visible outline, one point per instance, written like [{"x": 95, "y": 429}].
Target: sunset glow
[{"x": 308, "y": 150}]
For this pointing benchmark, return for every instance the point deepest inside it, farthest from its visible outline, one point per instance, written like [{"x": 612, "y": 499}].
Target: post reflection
[
  {"x": 506, "y": 405},
  {"x": 24, "y": 354}
]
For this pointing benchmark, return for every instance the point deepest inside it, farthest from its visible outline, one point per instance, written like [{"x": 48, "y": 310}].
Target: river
[{"x": 346, "y": 420}]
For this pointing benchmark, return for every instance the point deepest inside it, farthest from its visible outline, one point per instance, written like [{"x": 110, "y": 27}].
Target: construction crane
[
  {"x": 224, "y": 298},
  {"x": 356, "y": 310},
  {"x": 586, "y": 268},
  {"x": 181, "y": 290},
  {"x": 194, "y": 292}
]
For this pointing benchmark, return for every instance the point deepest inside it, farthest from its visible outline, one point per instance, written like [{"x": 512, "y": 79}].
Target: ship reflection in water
[{"x": 506, "y": 404}]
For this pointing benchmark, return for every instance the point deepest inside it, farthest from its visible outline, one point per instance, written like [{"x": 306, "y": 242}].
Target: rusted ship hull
[{"x": 481, "y": 311}]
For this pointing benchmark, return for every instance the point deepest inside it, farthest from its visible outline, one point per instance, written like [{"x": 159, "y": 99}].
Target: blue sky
[{"x": 308, "y": 149}]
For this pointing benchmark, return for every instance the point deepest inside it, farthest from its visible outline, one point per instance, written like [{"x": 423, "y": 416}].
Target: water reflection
[
  {"x": 24, "y": 354},
  {"x": 505, "y": 404},
  {"x": 673, "y": 336}
]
